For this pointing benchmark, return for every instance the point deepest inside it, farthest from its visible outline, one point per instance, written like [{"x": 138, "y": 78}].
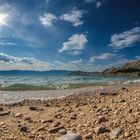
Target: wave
[
  {"x": 24, "y": 87},
  {"x": 132, "y": 81}
]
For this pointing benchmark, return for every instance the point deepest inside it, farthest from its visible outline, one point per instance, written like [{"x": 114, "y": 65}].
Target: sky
[{"x": 87, "y": 35}]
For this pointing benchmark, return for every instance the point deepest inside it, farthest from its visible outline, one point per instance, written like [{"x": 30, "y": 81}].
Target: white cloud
[
  {"x": 76, "y": 62},
  {"x": 101, "y": 57},
  {"x": 90, "y": 1},
  {"x": 98, "y": 3},
  {"x": 47, "y": 19},
  {"x": 70, "y": 65},
  {"x": 75, "y": 44},
  {"x": 8, "y": 43},
  {"x": 74, "y": 17},
  {"x": 125, "y": 39},
  {"x": 8, "y": 62}
]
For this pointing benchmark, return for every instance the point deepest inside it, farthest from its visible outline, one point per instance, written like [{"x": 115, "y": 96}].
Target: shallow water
[{"x": 34, "y": 82}]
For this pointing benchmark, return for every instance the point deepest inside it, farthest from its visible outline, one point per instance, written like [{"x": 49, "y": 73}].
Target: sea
[{"x": 46, "y": 82}]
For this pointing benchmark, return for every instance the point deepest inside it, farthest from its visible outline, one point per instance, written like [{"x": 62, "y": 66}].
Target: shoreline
[
  {"x": 13, "y": 97},
  {"x": 93, "y": 114}
]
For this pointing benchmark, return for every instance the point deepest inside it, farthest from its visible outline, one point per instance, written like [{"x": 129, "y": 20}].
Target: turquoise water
[{"x": 59, "y": 82}]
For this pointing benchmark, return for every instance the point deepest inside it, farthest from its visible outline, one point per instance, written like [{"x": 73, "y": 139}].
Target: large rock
[{"x": 70, "y": 136}]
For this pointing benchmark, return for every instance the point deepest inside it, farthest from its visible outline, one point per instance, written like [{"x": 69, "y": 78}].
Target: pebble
[
  {"x": 101, "y": 119},
  {"x": 62, "y": 131},
  {"x": 70, "y": 136},
  {"x": 46, "y": 121},
  {"x": 115, "y": 133},
  {"x": 100, "y": 129},
  {"x": 41, "y": 129},
  {"x": 4, "y": 113},
  {"x": 23, "y": 129},
  {"x": 127, "y": 134},
  {"x": 18, "y": 115},
  {"x": 27, "y": 118},
  {"x": 33, "y": 108},
  {"x": 55, "y": 129},
  {"x": 1, "y": 109},
  {"x": 88, "y": 136}
]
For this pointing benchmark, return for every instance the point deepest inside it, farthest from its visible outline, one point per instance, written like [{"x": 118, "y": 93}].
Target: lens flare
[{"x": 3, "y": 19}]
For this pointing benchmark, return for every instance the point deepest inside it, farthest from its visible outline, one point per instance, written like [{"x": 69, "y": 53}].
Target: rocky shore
[{"x": 110, "y": 113}]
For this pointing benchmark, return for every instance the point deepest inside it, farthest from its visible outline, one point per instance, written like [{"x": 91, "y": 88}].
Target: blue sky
[{"x": 86, "y": 35}]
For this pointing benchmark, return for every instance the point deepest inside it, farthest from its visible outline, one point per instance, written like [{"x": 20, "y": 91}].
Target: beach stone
[
  {"x": 58, "y": 115},
  {"x": 41, "y": 129},
  {"x": 4, "y": 113},
  {"x": 55, "y": 124},
  {"x": 101, "y": 119},
  {"x": 18, "y": 115},
  {"x": 33, "y": 108},
  {"x": 46, "y": 121},
  {"x": 88, "y": 136},
  {"x": 70, "y": 136},
  {"x": 1, "y": 109},
  {"x": 115, "y": 133},
  {"x": 55, "y": 129},
  {"x": 62, "y": 131},
  {"x": 100, "y": 129},
  {"x": 127, "y": 134},
  {"x": 27, "y": 118},
  {"x": 23, "y": 129},
  {"x": 103, "y": 94}
]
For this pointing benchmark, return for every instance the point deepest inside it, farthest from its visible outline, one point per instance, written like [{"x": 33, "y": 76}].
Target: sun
[{"x": 3, "y": 19}]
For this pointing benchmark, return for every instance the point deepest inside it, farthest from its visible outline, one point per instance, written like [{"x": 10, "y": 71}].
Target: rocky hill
[{"x": 128, "y": 69}]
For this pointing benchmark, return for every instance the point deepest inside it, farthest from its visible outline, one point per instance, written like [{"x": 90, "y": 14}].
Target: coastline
[
  {"x": 84, "y": 112},
  {"x": 11, "y": 97}
]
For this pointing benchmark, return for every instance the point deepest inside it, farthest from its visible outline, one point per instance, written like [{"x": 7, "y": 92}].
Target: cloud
[
  {"x": 70, "y": 65},
  {"x": 125, "y": 39},
  {"x": 90, "y": 1},
  {"x": 98, "y": 3},
  {"x": 74, "y": 17},
  {"x": 8, "y": 43},
  {"x": 47, "y": 19},
  {"x": 7, "y": 58},
  {"x": 76, "y": 62},
  {"x": 8, "y": 62},
  {"x": 75, "y": 44},
  {"x": 101, "y": 57}
]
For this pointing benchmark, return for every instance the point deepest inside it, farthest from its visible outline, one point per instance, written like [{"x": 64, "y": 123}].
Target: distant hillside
[
  {"x": 82, "y": 73},
  {"x": 128, "y": 69},
  {"x": 29, "y": 72}
]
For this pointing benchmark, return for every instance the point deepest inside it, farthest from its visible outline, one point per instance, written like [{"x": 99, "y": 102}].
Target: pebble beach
[{"x": 90, "y": 113}]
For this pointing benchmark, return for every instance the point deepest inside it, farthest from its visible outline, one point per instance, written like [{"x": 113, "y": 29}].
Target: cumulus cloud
[
  {"x": 101, "y": 57},
  {"x": 8, "y": 62},
  {"x": 7, "y": 58},
  {"x": 125, "y": 39},
  {"x": 70, "y": 65},
  {"x": 76, "y": 62},
  {"x": 48, "y": 19},
  {"x": 75, "y": 44},
  {"x": 98, "y": 3},
  {"x": 74, "y": 17}
]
